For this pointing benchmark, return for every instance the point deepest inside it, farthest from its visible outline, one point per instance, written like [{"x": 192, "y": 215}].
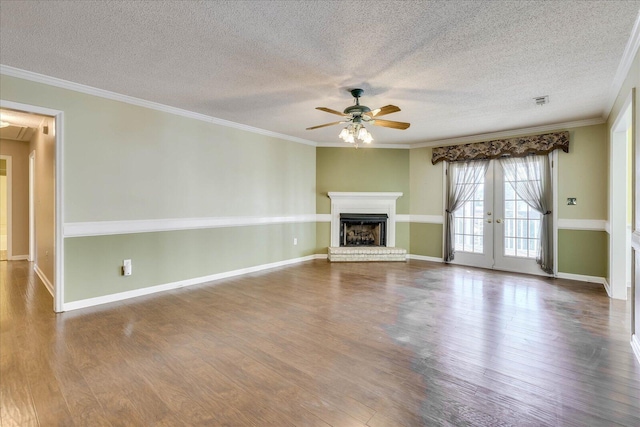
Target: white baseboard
[
  {"x": 584, "y": 278},
  {"x": 635, "y": 345},
  {"x": 19, "y": 258},
  {"x": 44, "y": 278},
  {"x": 424, "y": 258},
  {"x": 90, "y": 302}
]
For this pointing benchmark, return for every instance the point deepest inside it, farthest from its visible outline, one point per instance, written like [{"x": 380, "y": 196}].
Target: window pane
[
  {"x": 509, "y": 246},
  {"x": 509, "y": 227},
  {"x": 509, "y": 194},
  {"x": 509, "y": 209},
  {"x": 478, "y": 244},
  {"x": 468, "y": 226},
  {"x": 534, "y": 229},
  {"x": 522, "y": 209},
  {"x": 468, "y": 243}
]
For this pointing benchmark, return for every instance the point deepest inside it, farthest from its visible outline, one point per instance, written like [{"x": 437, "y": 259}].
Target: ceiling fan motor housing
[{"x": 357, "y": 109}]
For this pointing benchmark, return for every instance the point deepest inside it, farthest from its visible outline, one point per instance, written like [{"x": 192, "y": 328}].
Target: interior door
[{"x": 497, "y": 229}]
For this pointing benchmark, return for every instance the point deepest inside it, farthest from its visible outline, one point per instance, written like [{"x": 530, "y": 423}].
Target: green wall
[
  {"x": 364, "y": 169},
  {"x": 124, "y": 162},
  {"x": 583, "y": 252},
  {"x": 426, "y": 239},
  {"x": 92, "y": 264},
  {"x": 583, "y": 174}
]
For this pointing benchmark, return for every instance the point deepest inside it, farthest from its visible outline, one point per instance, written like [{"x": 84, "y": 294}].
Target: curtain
[
  {"x": 536, "y": 192},
  {"x": 462, "y": 180}
]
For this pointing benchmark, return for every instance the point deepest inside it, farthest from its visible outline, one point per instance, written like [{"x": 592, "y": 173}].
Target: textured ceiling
[{"x": 455, "y": 68}]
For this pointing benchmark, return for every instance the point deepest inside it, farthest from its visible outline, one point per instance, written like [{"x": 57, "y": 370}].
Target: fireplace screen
[{"x": 363, "y": 229}]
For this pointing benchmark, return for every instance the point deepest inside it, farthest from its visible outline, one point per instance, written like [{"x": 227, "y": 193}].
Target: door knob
[
  {"x": 489, "y": 221},
  {"x": 499, "y": 221}
]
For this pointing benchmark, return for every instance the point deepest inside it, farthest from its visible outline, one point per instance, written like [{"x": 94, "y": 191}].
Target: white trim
[
  {"x": 323, "y": 217},
  {"x": 77, "y": 87},
  {"x": 103, "y": 228},
  {"x": 607, "y": 227},
  {"x": 630, "y": 51},
  {"x": 19, "y": 258},
  {"x": 9, "y": 206},
  {"x": 363, "y": 202},
  {"x": 45, "y": 279},
  {"x": 89, "y": 302},
  {"x": 635, "y": 345},
  {"x": 582, "y": 224},
  {"x": 584, "y": 278},
  {"x": 426, "y": 219},
  {"x": 403, "y": 218},
  {"x": 32, "y": 206},
  {"x": 509, "y": 133},
  {"x": 424, "y": 258}
]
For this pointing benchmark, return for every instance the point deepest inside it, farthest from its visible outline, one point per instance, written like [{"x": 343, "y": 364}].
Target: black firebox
[{"x": 358, "y": 229}]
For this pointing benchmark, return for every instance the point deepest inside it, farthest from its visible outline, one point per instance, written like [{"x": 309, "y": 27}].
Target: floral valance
[{"x": 514, "y": 147}]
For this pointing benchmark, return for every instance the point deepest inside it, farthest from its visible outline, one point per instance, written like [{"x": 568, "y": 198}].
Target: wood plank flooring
[{"x": 321, "y": 344}]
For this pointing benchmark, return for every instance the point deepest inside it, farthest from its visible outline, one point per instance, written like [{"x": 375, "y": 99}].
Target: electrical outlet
[
  {"x": 572, "y": 201},
  {"x": 126, "y": 267},
  {"x": 295, "y": 241}
]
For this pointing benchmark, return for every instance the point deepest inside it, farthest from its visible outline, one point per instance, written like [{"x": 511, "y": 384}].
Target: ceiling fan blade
[
  {"x": 329, "y": 110},
  {"x": 324, "y": 125},
  {"x": 391, "y": 124},
  {"x": 387, "y": 109}
]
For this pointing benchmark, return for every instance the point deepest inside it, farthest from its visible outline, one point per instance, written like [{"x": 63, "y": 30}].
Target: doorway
[
  {"x": 496, "y": 228},
  {"x": 44, "y": 192}
]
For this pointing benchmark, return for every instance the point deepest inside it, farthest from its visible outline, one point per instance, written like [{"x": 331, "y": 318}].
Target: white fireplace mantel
[{"x": 363, "y": 202}]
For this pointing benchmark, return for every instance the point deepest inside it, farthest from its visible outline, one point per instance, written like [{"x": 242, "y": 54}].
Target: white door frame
[
  {"x": 9, "y": 206},
  {"x": 32, "y": 206},
  {"x": 618, "y": 263},
  {"x": 58, "y": 251}
]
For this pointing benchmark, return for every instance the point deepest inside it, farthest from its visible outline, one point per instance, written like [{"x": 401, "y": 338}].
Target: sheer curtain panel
[{"x": 462, "y": 181}]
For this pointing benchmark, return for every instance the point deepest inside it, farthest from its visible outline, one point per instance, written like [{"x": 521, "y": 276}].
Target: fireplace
[
  {"x": 367, "y": 235},
  {"x": 361, "y": 229}
]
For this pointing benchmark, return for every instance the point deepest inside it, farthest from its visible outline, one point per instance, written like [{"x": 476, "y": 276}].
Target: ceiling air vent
[{"x": 541, "y": 100}]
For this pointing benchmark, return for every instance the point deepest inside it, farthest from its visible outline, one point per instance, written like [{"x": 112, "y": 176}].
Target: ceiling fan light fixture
[{"x": 355, "y": 134}]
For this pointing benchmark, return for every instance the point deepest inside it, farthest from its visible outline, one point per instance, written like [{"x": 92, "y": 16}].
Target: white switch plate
[
  {"x": 126, "y": 267},
  {"x": 295, "y": 241}
]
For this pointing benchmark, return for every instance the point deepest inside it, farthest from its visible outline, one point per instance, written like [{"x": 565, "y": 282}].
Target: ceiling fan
[{"x": 357, "y": 116}]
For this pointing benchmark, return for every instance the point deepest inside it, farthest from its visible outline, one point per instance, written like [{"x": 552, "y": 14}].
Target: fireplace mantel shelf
[{"x": 364, "y": 195}]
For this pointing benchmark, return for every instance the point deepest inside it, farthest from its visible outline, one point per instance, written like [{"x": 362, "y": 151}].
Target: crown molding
[
  {"x": 365, "y": 146},
  {"x": 89, "y": 90},
  {"x": 510, "y": 133},
  {"x": 630, "y": 51}
]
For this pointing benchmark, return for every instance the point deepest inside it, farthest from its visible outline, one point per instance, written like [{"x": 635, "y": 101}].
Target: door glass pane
[
  {"x": 469, "y": 222},
  {"x": 521, "y": 222}
]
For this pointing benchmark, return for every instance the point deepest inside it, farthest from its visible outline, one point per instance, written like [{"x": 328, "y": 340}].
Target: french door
[{"x": 496, "y": 228}]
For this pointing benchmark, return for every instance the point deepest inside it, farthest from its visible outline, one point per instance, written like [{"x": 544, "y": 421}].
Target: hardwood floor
[{"x": 317, "y": 344}]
